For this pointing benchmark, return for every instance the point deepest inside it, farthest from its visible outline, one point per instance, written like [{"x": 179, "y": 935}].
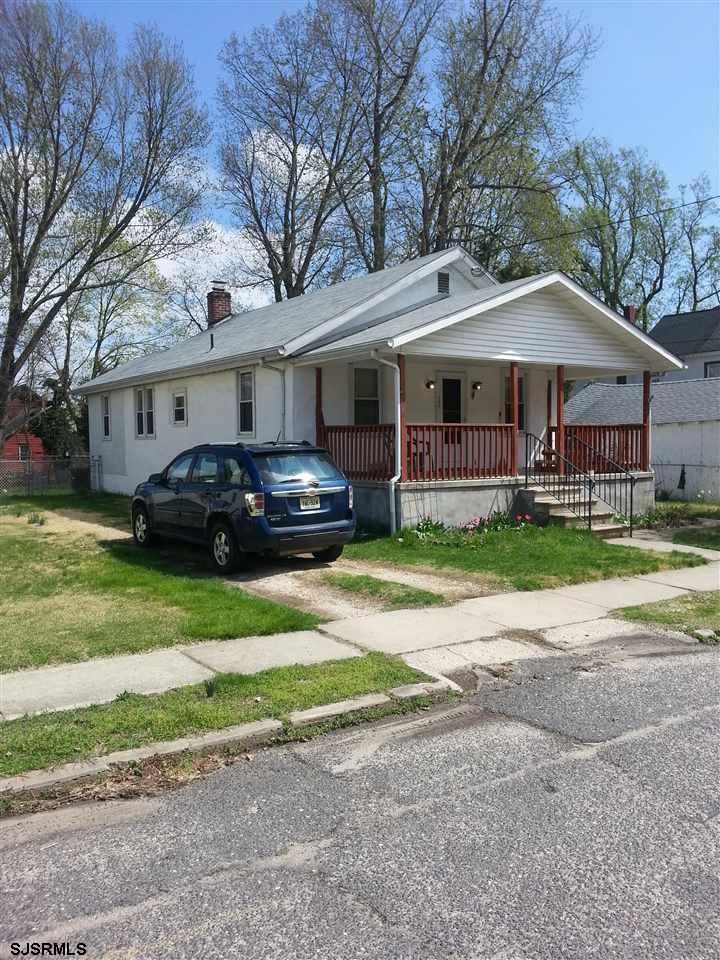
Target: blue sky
[{"x": 654, "y": 83}]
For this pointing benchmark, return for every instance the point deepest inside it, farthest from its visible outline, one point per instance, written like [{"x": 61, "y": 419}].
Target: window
[
  {"x": 451, "y": 400},
  {"x": 283, "y": 467},
  {"x": 23, "y": 451},
  {"x": 712, "y": 369},
  {"x": 246, "y": 401},
  {"x": 205, "y": 469},
  {"x": 105, "y": 402},
  {"x": 521, "y": 402},
  {"x": 180, "y": 468},
  {"x": 145, "y": 412},
  {"x": 367, "y": 395},
  {"x": 179, "y": 408},
  {"x": 621, "y": 380},
  {"x": 234, "y": 472},
  {"x": 444, "y": 283}
]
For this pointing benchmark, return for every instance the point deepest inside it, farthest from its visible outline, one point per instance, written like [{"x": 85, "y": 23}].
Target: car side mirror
[{"x": 155, "y": 478}]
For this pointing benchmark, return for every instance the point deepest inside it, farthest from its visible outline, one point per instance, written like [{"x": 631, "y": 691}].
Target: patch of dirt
[
  {"x": 299, "y": 582},
  {"x": 455, "y": 585},
  {"x": 72, "y": 524}
]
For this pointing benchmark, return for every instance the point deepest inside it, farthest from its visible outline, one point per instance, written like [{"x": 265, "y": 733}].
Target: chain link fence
[{"x": 53, "y": 474}]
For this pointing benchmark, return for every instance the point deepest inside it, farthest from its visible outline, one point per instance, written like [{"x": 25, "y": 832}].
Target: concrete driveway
[{"x": 568, "y": 813}]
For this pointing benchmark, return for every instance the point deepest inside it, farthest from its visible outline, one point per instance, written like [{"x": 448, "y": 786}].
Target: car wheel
[
  {"x": 224, "y": 551},
  {"x": 142, "y": 531},
  {"x": 328, "y": 555}
]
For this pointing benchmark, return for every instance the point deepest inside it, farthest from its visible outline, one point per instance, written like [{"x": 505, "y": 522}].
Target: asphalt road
[{"x": 572, "y": 813}]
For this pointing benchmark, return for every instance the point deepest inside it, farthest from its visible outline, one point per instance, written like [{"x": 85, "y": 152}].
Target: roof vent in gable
[{"x": 443, "y": 283}]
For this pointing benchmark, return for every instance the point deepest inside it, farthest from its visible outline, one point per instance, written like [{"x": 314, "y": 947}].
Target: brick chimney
[
  {"x": 630, "y": 312},
  {"x": 218, "y": 303}
]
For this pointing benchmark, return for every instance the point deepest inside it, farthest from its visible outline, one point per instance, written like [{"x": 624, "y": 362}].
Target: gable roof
[
  {"x": 672, "y": 401},
  {"x": 428, "y": 318},
  {"x": 278, "y": 328},
  {"x": 685, "y": 333}
]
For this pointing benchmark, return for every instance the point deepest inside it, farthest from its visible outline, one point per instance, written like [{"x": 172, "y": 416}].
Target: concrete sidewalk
[{"x": 436, "y": 640}]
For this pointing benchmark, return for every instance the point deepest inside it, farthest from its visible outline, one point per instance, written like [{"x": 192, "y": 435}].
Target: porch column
[
  {"x": 402, "y": 467},
  {"x": 645, "y": 441},
  {"x": 319, "y": 420},
  {"x": 515, "y": 414},
  {"x": 560, "y": 412}
]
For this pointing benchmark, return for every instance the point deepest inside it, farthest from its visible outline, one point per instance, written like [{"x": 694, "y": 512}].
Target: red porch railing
[
  {"x": 602, "y": 447},
  {"x": 362, "y": 452},
  {"x": 460, "y": 451}
]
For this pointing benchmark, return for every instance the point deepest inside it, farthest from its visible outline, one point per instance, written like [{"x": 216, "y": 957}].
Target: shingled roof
[
  {"x": 686, "y": 333},
  {"x": 672, "y": 401}
]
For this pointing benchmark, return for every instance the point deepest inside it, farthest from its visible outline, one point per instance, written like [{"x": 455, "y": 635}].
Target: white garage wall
[{"x": 696, "y": 446}]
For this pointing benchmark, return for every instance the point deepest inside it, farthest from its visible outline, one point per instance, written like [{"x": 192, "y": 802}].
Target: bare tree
[
  {"x": 287, "y": 147},
  {"x": 387, "y": 86},
  {"x": 95, "y": 148},
  {"x": 697, "y": 282},
  {"x": 628, "y": 234},
  {"x": 507, "y": 72}
]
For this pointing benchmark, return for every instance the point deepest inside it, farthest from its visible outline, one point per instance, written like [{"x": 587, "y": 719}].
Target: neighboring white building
[
  {"x": 425, "y": 378},
  {"x": 685, "y": 434},
  {"x": 695, "y": 338}
]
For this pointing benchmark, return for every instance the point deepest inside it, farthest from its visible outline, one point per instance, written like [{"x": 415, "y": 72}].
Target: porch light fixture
[
  {"x": 476, "y": 386},
  {"x": 429, "y": 384}
]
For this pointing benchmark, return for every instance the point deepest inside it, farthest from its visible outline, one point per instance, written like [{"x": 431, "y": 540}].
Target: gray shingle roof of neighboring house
[
  {"x": 266, "y": 329},
  {"x": 685, "y": 333},
  {"x": 672, "y": 401},
  {"x": 384, "y": 329}
]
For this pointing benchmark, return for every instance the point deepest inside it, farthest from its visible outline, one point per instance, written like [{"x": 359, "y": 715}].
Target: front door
[{"x": 451, "y": 400}]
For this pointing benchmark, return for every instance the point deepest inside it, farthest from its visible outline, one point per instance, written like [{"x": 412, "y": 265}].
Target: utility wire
[{"x": 610, "y": 223}]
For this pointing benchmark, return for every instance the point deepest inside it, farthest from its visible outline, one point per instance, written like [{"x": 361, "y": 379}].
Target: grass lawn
[
  {"x": 393, "y": 596},
  {"x": 675, "y": 511},
  {"x": 132, "y": 720},
  {"x": 525, "y": 558},
  {"x": 708, "y": 538},
  {"x": 65, "y": 596},
  {"x": 112, "y": 509},
  {"x": 695, "y": 611}
]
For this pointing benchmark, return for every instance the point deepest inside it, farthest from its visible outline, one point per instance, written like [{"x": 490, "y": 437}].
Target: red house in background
[{"x": 23, "y": 445}]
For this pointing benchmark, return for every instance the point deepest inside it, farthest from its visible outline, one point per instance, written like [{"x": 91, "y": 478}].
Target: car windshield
[{"x": 290, "y": 466}]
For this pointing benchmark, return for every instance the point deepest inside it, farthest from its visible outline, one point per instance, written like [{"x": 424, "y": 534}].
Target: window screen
[{"x": 367, "y": 395}]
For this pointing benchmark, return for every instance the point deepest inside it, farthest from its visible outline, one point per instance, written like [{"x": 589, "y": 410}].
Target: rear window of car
[{"x": 285, "y": 467}]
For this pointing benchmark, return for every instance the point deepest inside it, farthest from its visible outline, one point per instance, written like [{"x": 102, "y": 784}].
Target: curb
[{"x": 257, "y": 734}]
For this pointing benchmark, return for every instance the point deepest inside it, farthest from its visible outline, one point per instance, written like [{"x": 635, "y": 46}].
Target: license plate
[{"x": 309, "y": 503}]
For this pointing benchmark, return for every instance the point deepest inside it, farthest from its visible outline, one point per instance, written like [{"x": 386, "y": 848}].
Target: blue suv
[{"x": 276, "y": 499}]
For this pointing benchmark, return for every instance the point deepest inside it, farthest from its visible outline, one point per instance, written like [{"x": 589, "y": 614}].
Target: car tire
[
  {"x": 329, "y": 554},
  {"x": 224, "y": 551},
  {"x": 141, "y": 528}
]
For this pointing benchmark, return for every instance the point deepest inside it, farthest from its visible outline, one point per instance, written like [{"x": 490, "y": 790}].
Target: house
[
  {"x": 685, "y": 434},
  {"x": 438, "y": 390},
  {"x": 24, "y": 445},
  {"x": 695, "y": 338}
]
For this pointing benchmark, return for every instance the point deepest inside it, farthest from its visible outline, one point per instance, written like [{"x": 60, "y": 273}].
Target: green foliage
[
  {"x": 392, "y": 595},
  {"x": 57, "y": 427}
]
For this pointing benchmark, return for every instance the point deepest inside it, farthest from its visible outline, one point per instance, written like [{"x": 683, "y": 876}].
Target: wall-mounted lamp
[
  {"x": 429, "y": 384},
  {"x": 475, "y": 387}
]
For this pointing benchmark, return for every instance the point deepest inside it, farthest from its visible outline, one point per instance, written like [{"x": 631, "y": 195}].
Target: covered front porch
[{"x": 459, "y": 421}]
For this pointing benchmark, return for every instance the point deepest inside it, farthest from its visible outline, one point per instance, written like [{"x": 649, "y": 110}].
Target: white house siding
[
  {"x": 421, "y": 290},
  {"x": 695, "y": 366},
  {"x": 696, "y": 446},
  {"x": 212, "y": 417},
  {"x": 542, "y": 327}
]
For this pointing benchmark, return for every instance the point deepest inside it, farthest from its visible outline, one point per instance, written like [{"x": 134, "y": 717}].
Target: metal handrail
[
  {"x": 559, "y": 488},
  {"x": 618, "y": 498}
]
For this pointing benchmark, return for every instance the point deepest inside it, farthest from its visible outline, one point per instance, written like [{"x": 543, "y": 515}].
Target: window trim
[
  {"x": 143, "y": 409},
  {"x": 182, "y": 392},
  {"x": 20, "y": 448},
  {"x": 105, "y": 414},
  {"x": 253, "y": 401},
  {"x": 354, "y": 397},
  {"x": 708, "y": 364}
]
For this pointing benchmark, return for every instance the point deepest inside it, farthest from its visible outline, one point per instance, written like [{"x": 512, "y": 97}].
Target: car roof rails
[{"x": 285, "y": 443}]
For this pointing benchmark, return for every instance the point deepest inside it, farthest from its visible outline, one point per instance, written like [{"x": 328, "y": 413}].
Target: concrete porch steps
[{"x": 558, "y": 514}]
